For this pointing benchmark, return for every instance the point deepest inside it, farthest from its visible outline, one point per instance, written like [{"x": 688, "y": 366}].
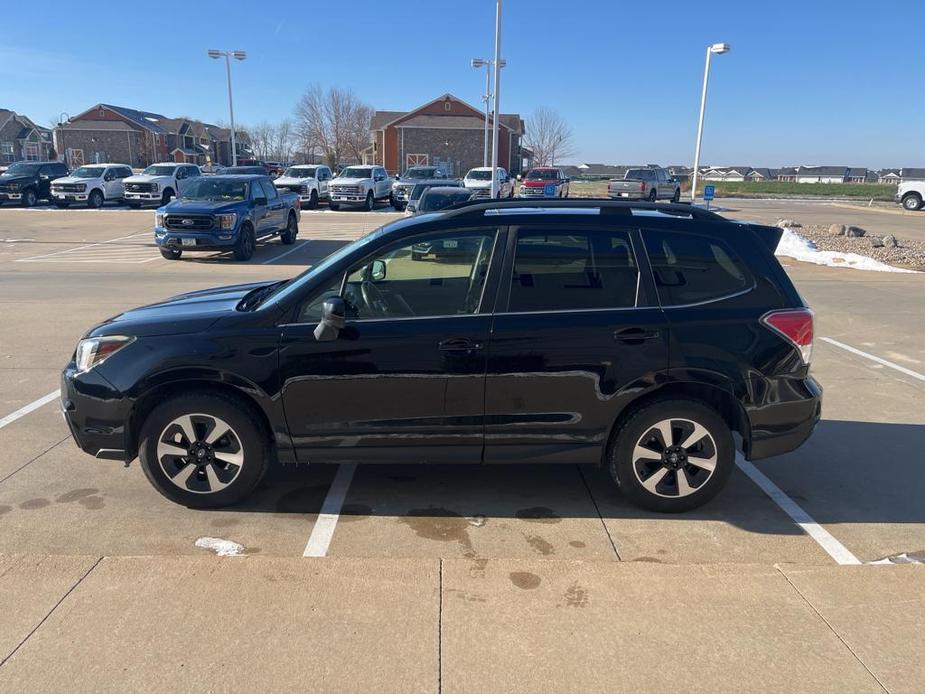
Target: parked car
[
  {"x": 27, "y": 182},
  {"x": 640, "y": 342},
  {"x": 427, "y": 197},
  {"x": 645, "y": 184},
  {"x": 274, "y": 168},
  {"x": 93, "y": 184},
  {"x": 360, "y": 186},
  {"x": 158, "y": 183},
  {"x": 309, "y": 181},
  {"x": 911, "y": 195},
  {"x": 478, "y": 180},
  {"x": 404, "y": 184},
  {"x": 222, "y": 213},
  {"x": 544, "y": 182}
]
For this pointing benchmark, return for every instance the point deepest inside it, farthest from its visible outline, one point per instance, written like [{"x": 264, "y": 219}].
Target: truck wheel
[
  {"x": 370, "y": 202},
  {"x": 246, "y": 245},
  {"x": 912, "y": 201},
  {"x": 29, "y": 198},
  {"x": 676, "y": 198},
  {"x": 292, "y": 230},
  {"x": 95, "y": 200},
  {"x": 171, "y": 253},
  {"x": 165, "y": 198},
  {"x": 653, "y": 195},
  {"x": 313, "y": 200}
]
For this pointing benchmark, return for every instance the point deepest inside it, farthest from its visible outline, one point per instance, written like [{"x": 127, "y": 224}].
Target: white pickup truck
[
  {"x": 309, "y": 181},
  {"x": 360, "y": 186},
  {"x": 158, "y": 183},
  {"x": 92, "y": 184},
  {"x": 911, "y": 194}
]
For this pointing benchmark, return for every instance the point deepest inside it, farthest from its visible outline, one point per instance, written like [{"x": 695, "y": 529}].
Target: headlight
[
  {"x": 154, "y": 187},
  {"x": 96, "y": 350},
  {"x": 14, "y": 186},
  {"x": 226, "y": 221},
  {"x": 303, "y": 190},
  {"x": 159, "y": 219},
  {"x": 83, "y": 187}
]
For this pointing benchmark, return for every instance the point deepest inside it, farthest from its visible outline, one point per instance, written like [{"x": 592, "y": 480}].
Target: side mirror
[
  {"x": 397, "y": 177},
  {"x": 333, "y": 319},
  {"x": 378, "y": 271},
  {"x": 260, "y": 202}
]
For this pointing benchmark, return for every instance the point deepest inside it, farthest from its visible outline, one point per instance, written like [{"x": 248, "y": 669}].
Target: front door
[
  {"x": 276, "y": 209},
  {"x": 574, "y": 338},
  {"x": 405, "y": 379},
  {"x": 260, "y": 207}
]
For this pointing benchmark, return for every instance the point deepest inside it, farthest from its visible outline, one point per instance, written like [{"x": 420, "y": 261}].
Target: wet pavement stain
[
  {"x": 350, "y": 513},
  {"x": 75, "y": 495},
  {"x": 538, "y": 514},
  {"x": 540, "y": 545},
  {"x": 5, "y": 509},
  {"x": 576, "y": 596},
  {"x": 92, "y": 503},
  {"x": 525, "y": 580},
  {"x": 32, "y": 504},
  {"x": 577, "y": 544},
  {"x": 442, "y": 525},
  {"x": 477, "y": 570}
]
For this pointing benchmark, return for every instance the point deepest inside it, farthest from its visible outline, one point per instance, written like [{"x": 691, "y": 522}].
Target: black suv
[
  {"x": 27, "y": 182},
  {"x": 633, "y": 335}
]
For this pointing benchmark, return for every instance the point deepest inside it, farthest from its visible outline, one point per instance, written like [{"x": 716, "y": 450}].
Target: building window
[
  {"x": 447, "y": 105},
  {"x": 6, "y": 152},
  {"x": 416, "y": 160},
  {"x": 32, "y": 151}
]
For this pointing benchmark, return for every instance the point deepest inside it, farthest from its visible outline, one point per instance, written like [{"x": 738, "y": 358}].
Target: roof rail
[{"x": 478, "y": 207}]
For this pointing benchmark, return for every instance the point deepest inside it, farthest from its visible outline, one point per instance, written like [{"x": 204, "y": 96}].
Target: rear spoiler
[{"x": 770, "y": 236}]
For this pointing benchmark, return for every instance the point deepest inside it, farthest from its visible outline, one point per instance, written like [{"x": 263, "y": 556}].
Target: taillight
[
  {"x": 796, "y": 325},
  {"x": 642, "y": 186}
]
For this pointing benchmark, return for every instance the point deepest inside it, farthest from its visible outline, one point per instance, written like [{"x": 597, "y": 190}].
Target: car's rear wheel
[
  {"x": 171, "y": 253},
  {"x": 912, "y": 201},
  {"x": 247, "y": 243},
  {"x": 676, "y": 198},
  {"x": 95, "y": 200},
  {"x": 203, "y": 451},
  {"x": 672, "y": 455},
  {"x": 653, "y": 195},
  {"x": 292, "y": 230}
]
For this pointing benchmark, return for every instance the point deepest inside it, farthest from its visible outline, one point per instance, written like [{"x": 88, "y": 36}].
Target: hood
[
  {"x": 15, "y": 178},
  {"x": 144, "y": 178},
  {"x": 350, "y": 181},
  {"x": 178, "y": 315},
  {"x": 211, "y": 206},
  {"x": 292, "y": 180},
  {"x": 74, "y": 179},
  {"x": 476, "y": 183}
]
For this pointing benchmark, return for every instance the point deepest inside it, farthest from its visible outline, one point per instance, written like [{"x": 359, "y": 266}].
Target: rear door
[{"x": 575, "y": 336}]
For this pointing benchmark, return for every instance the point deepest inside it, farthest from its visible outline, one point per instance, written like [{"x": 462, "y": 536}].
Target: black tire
[
  {"x": 171, "y": 253},
  {"x": 95, "y": 200},
  {"x": 29, "y": 198},
  {"x": 165, "y": 197},
  {"x": 62, "y": 205},
  {"x": 370, "y": 202},
  {"x": 247, "y": 243},
  {"x": 653, "y": 195},
  {"x": 676, "y": 198},
  {"x": 715, "y": 447},
  {"x": 246, "y": 440},
  {"x": 333, "y": 206},
  {"x": 912, "y": 201},
  {"x": 313, "y": 200},
  {"x": 291, "y": 231}
]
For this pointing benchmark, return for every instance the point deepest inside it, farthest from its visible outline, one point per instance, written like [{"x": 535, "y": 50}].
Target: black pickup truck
[{"x": 27, "y": 182}]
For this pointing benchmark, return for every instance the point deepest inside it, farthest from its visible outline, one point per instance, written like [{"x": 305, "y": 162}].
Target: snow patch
[
  {"x": 904, "y": 558},
  {"x": 792, "y": 245},
  {"x": 223, "y": 548}
]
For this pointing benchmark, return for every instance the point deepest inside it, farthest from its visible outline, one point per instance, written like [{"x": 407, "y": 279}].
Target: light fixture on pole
[
  {"x": 496, "y": 109},
  {"x": 228, "y": 55},
  {"x": 486, "y": 63},
  {"x": 717, "y": 48}
]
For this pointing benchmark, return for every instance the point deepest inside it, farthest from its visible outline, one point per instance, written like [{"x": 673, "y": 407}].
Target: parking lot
[{"x": 428, "y": 571}]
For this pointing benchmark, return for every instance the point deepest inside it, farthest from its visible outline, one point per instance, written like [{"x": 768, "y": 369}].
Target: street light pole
[
  {"x": 486, "y": 97},
  {"x": 717, "y": 48},
  {"x": 496, "y": 110},
  {"x": 228, "y": 55}
]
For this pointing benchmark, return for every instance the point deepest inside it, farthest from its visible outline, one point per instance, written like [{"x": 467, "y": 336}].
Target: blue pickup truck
[{"x": 221, "y": 213}]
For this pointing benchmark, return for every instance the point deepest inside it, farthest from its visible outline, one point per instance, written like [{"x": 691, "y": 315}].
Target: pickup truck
[
  {"x": 222, "y": 213},
  {"x": 911, "y": 194},
  {"x": 309, "y": 181},
  {"x": 645, "y": 184},
  {"x": 478, "y": 180},
  {"x": 27, "y": 182},
  {"x": 360, "y": 186},
  {"x": 92, "y": 184},
  {"x": 404, "y": 184},
  {"x": 158, "y": 183},
  {"x": 544, "y": 182}
]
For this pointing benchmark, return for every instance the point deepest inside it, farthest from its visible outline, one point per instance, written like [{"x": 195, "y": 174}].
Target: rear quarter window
[{"x": 691, "y": 269}]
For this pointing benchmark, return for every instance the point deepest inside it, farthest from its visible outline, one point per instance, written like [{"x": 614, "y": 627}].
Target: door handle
[
  {"x": 635, "y": 336},
  {"x": 459, "y": 344}
]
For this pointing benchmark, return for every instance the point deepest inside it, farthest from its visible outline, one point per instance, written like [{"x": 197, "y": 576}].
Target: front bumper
[
  {"x": 143, "y": 197},
  {"x": 785, "y": 424},
  {"x": 96, "y": 413},
  {"x": 10, "y": 196},
  {"x": 195, "y": 241},
  {"x": 69, "y": 197},
  {"x": 343, "y": 197}
]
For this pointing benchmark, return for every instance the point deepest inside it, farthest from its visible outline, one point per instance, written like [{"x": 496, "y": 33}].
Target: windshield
[
  {"x": 420, "y": 172},
  {"x": 216, "y": 189},
  {"x": 23, "y": 169},
  {"x": 477, "y": 175},
  {"x": 159, "y": 170},
  {"x": 88, "y": 172},
  {"x": 542, "y": 175},
  {"x": 418, "y": 190},
  {"x": 300, "y": 172},
  {"x": 435, "y": 200},
  {"x": 356, "y": 172}
]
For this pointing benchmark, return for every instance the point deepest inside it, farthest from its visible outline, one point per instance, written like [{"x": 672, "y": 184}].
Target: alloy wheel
[
  {"x": 200, "y": 453},
  {"x": 674, "y": 458}
]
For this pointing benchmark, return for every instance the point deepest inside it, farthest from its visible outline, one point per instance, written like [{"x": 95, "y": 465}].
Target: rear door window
[
  {"x": 572, "y": 271},
  {"x": 691, "y": 269}
]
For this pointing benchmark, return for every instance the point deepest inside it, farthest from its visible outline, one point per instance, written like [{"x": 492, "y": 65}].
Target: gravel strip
[{"x": 908, "y": 254}]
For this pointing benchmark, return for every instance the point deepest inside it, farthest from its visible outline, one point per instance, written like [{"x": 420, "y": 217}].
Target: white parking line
[
  {"x": 98, "y": 252},
  {"x": 323, "y": 531},
  {"x": 283, "y": 255},
  {"x": 833, "y": 547},
  {"x": 31, "y": 407},
  {"x": 874, "y": 358}
]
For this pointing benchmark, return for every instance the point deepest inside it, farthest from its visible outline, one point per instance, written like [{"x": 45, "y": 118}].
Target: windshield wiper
[{"x": 255, "y": 296}]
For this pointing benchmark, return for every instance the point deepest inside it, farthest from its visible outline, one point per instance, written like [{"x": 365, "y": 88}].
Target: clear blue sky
[{"x": 821, "y": 81}]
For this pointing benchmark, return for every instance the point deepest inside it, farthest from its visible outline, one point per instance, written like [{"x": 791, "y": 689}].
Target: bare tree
[
  {"x": 549, "y": 136},
  {"x": 334, "y": 121}
]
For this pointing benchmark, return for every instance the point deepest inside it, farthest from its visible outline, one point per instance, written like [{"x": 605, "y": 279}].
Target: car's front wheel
[
  {"x": 246, "y": 244},
  {"x": 672, "y": 455},
  {"x": 203, "y": 451},
  {"x": 95, "y": 200},
  {"x": 171, "y": 253},
  {"x": 29, "y": 198},
  {"x": 370, "y": 202}
]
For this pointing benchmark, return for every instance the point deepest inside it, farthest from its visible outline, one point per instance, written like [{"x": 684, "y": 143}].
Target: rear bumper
[
  {"x": 96, "y": 413},
  {"x": 785, "y": 425}
]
